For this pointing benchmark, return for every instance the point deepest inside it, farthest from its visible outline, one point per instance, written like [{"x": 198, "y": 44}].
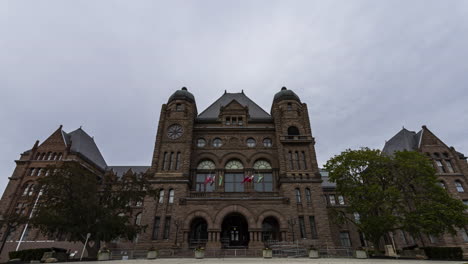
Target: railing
[
  {"x": 296, "y": 138},
  {"x": 280, "y": 250},
  {"x": 194, "y": 194}
]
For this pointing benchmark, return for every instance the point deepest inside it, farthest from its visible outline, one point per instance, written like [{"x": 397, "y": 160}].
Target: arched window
[
  {"x": 177, "y": 165},
  {"x": 59, "y": 157},
  {"x": 165, "y": 161},
  {"x": 205, "y": 170},
  {"x": 298, "y": 196},
  {"x": 304, "y": 160},
  {"x": 442, "y": 184},
  {"x": 38, "y": 156},
  {"x": 161, "y": 196},
  {"x": 32, "y": 171},
  {"x": 263, "y": 176},
  {"x": 234, "y": 176},
  {"x": 54, "y": 156},
  {"x": 170, "y": 160},
  {"x": 267, "y": 142},
  {"x": 138, "y": 219},
  {"x": 251, "y": 142},
  {"x": 293, "y": 131},
  {"x": 217, "y": 142},
  {"x": 39, "y": 172},
  {"x": 43, "y": 156},
  {"x": 49, "y": 155},
  {"x": 171, "y": 196},
  {"x": 308, "y": 196},
  {"x": 234, "y": 165},
  {"x": 459, "y": 186}
]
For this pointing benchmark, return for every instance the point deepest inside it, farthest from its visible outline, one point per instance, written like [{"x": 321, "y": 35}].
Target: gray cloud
[{"x": 365, "y": 68}]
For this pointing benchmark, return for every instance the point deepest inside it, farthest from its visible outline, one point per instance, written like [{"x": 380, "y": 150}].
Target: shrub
[
  {"x": 29, "y": 254},
  {"x": 444, "y": 253},
  {"x": 33, "y": 254}
]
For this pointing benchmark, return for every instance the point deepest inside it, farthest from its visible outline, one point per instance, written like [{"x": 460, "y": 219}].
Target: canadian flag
[{"x": 248, "y": 179}]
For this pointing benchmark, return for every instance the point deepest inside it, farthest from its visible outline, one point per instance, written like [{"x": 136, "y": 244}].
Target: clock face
[{"x": 175, "y": 131}]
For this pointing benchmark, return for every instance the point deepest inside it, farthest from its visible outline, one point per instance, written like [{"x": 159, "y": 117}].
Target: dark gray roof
[
  {"x": 255, "y": 111},
  {"x": 182, "y": 94},
  {"x": 82, "y": 143},
  {"x": 326, "y": 183},
  {"x": 121, "y": 170},
  {"x": 286, "y": 94},
  {"x": 403, "y": 140}
]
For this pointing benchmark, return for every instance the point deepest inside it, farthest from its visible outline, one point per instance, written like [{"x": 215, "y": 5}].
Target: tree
[
  {"x": 75, "y": 201},
  {"x": 10, "y": 222},
  {"x": 398, "y": 192}
]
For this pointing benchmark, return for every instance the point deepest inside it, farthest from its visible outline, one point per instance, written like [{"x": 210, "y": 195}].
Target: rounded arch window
[
  {"x": 217, "y": 142},
  {"x": 251, "y": 142},
  {"x": 293, "y": 131},
  {"x": 201, "y": 142},
  {"x": 138, "y": 219},
  {"x": 442, "y": 184},
  {"x": 459, "y": 186},
  {"x": 262, "y": 165},
  {"x": 267, "y": 142},
  {"x": 234, "y": 165},
  {"x": 206, "y": 165}
]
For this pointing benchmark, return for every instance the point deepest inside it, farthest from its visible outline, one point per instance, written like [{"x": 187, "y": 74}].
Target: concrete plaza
[{"x": 276, "y": 260}]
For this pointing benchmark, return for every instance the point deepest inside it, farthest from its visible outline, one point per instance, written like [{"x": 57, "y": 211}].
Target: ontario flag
[
  {"x": 248, "y": 179},
  {"x": 210, "y": 179}
]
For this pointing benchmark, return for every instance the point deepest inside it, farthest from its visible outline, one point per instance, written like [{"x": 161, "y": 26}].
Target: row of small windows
[
  {"x": 171, "y": 161},
  {"x": 250, "y": 142},
  {"x": 299, "y": 196},
  {"x": 297, "y": 160},
  {"x": 260, "y": 164},
  {"x": 170, "y": 198},
  {"x": 458, "y": 186},
  {"x": 234, "y": 121},
  {"x": 49, "y": 156},
  {"x": 444, "y": 169},
  {"x": 38, "y": 172}
]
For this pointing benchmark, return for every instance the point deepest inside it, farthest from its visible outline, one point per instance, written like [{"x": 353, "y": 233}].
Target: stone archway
[
  {"x": 198, "y": 234},
  {"x": 233, "y": 209},
  {"x": 234, "y": 231}
]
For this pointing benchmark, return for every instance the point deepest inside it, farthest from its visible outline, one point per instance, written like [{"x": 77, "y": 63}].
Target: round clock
[{"x": 175, "y": 131}]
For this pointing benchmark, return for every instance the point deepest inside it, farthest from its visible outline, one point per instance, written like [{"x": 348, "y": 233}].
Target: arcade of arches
[{"x": 234, "y": 232}]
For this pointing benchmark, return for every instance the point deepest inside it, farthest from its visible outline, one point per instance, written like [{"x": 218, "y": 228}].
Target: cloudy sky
[{"x": 365, "y": 68}]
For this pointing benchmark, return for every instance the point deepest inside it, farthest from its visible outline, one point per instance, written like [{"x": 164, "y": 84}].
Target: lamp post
[{"x": 292, "y": 223}]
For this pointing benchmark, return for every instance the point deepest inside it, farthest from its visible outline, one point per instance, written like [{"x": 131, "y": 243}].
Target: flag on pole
[
  {"x": 209, "y": 179},
  {"x": 212, "y": 181},
  {"x": 260, "y": 178},
  {"x": 248, "y": 178},
  {"x": 220, "y": 180}
]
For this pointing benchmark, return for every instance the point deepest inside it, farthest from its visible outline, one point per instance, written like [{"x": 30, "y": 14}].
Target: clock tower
[{"x": 171, "y": 157}]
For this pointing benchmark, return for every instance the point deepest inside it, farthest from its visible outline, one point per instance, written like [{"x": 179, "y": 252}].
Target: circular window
[
  {"x": 217, "y": 142},
  {"x": 201, "y": 142},
  {"x": 251, "y": 143},
  {"x": 267, "y": 142}
]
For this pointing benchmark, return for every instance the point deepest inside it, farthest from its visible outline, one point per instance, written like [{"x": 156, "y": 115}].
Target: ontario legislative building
[{"x": 231, "y": 176}]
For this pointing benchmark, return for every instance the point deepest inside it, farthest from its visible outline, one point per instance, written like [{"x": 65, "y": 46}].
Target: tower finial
[
  {"x": 283, "y": 88},
  {"x": 225, "y": 91},
  {"x": 184, "y": 88}
]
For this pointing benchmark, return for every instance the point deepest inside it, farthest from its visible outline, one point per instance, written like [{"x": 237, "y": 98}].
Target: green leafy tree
[
  {"x": 398, "y": 192},
  {"x": 75, "y": 201}
]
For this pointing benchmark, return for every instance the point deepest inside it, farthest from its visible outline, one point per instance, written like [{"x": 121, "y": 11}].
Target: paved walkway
[{"x": 276, "y": 260}]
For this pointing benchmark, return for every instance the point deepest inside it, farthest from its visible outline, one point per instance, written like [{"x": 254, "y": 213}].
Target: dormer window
[
  {"x": 289, "y": 106},
  {"x": 234, "y": 121},
  {"x": 179, "y": 107}
]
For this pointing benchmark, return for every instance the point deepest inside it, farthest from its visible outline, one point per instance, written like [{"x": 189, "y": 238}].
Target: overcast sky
[{"x": 365, "y": 68}]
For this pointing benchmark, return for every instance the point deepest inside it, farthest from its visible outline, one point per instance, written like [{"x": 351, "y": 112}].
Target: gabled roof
[
  {"x": 121, "y": 170},
  {"x": 84, "y": 144},
  {"x": 403, "y": 140},
  {"x": 255, "y": 111}
]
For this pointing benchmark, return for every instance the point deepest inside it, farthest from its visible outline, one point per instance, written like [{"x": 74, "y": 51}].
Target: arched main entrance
[
  {"x": 234, "y": 231},
  {"x": 270, "y": 230},
  {"x": 198, "y": 235}
]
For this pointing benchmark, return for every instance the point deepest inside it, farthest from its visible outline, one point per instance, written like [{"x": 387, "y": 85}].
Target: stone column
[{"x": 213, "y": 239}]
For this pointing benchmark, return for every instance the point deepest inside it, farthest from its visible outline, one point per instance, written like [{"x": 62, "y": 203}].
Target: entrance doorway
[
  {"x": 235, "y": 232},
  {"x": 198, "y": 235}
]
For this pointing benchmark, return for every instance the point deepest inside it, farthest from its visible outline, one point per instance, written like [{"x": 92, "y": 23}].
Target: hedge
[
  {"x": 32, "y": 254},
  {"x": 444, "y": 253}
]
